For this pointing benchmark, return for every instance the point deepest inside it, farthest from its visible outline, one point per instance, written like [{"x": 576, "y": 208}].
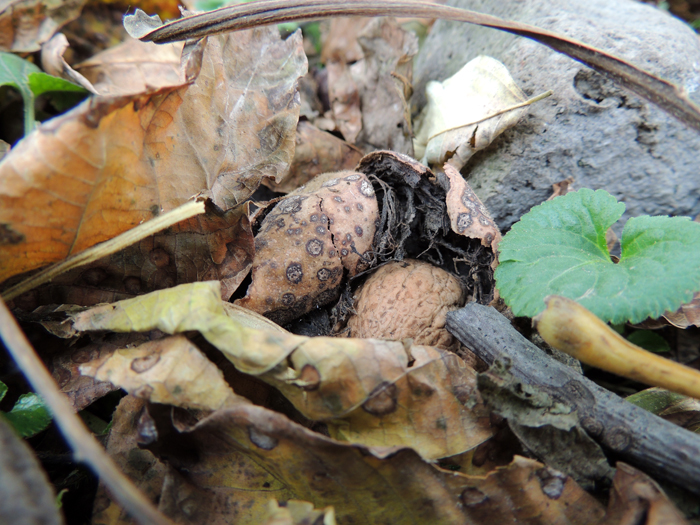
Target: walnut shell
[
  {"x": 407, "y": 299},
  {"x": 307, "y": 240}
]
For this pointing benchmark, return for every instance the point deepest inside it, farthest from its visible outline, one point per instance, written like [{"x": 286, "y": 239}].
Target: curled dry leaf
[
  {"x": 366, "y": 388},
  {"x": 170, "y": 371},
  {"x": 113, "y": 162},
  {"x": 687, "y": 315},
  {"x": 237, "y": 459},
  {"x": 383, "y": 78},
  {"x": 344, "y": 100},
  {"x": 636, "y": 498},
  {"x": 407, "y": 299},
  {"x": 82, "y": 391},
  {"x": 468, "y": 215},
  {"x": 134, "y": 67},
  {"x": 26, "y": 24},
  {"x": 53, "y": 63},
  {"x": 131, "y": 426},
  {"x": 466, "y": 112},
  {"x": 197, "y": 306},
  {"x": 216, "y": 245},
  {"x": 316, "y": 152},
  {"x": 306, "y": 242}
]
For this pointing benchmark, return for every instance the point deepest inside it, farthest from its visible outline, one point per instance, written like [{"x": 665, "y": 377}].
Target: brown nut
[
  {"x": 305, "y": 242},
  {"x": 407, "y": 299}
]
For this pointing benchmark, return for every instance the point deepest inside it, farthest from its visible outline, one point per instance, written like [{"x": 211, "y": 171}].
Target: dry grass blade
[
  {"x": 94, "y": 253},
  {"x": 84, "y": 445},
  {"x": 244, "y": 16}
]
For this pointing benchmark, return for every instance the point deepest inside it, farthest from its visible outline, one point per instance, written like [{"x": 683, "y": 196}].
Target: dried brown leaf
[
  {"x": 383, "y": 78},
  {"x": 468, "y": 215},
  {"x": 317, "y": 152},
  {"x": 217, "y": 245},
  {"x": 53, "y": 63},
  {"x": 635, "y": 499},
  {"x": 116, "y": 161},
  {"x": 170, "y": 371},
  {"x": 134, "y": 67},
  {"x": 237, "y": 459},
  {"x": 26, "y": 494},
  {"x": 26, "y": 24},
  {"x": 130, "y": 426},
  {"x": 344, "y": 98}
]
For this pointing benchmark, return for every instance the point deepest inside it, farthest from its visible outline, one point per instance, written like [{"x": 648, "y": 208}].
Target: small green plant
[
  {"x": 29, "y": 416},
  {"x": 559, "y": 248},
  {"x": 31, "y": 82}
]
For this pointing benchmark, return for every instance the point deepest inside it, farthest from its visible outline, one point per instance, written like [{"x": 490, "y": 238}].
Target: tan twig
[{"x": 85, "y": 447}]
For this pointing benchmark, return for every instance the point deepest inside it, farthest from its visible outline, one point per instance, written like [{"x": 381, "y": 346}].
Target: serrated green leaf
[
  {"x": 559, "y": 248},
  {"x": 3, "y": 390},
  {"x": 29, "y": 416}
]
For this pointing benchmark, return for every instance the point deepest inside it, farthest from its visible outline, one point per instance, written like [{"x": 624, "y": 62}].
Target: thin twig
[{"x": 82, "y": 442}]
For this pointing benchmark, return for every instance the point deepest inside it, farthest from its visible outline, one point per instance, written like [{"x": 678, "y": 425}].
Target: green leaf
[
  {"x": 29, "y": 416},
  {"x": 14, "y": 71},
  {"x": 3, "y": 390},
  {"x": 63, "y": 94},
  {"x": 649, "y": 341},
  {"x": 559, "y": 248}
]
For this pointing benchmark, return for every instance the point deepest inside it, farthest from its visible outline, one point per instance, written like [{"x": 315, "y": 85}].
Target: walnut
[
  {"x": 306, "y": 243},
  {"x": 407, "y": 299}
]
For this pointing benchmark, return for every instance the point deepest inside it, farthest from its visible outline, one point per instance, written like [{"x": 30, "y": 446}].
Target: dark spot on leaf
[
  {"x": 323, "y": 274},
  {"x": 261, "y": 440},
  {"x": 314, "y": 247},
  {"x": 337, "y": 199},
  {"x": 288, "y": 299},
  {"x": 132, "y": 285},
  {"x": 313, "y": 218},
  {"x": 294, "y": 273},
  {"x": 464, "y": 220},
  {"x": 310, "y": 378},
  {"x": 352, "y": 177},
  {"x": 358, "y": 231},
  {"x": 347, "y": 209},
  {"x": 94, "y": 276},
  {"x": 344, "y": 252},
  {"x": 382, "y": 400},
  {"x": 359, "y": 206},
  {"x": 472, "y": 496},
  {"x": 320, "y": 230},
  {"x": 9, "y": 236},
  {"x": 141, "y": 364},
  {"x": 552, "y": 482},
  {"x": 159, "y": 257}
]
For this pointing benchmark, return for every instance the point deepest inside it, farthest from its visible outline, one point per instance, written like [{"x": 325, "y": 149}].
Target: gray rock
[{"x": 590, "y": 129}]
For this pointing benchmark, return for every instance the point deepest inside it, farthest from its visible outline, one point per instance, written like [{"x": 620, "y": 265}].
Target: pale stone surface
[{"x": 590, "y": 129}]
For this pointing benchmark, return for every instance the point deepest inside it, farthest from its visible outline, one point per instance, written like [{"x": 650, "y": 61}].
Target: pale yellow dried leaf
[
  {"x": 453, "y": 126},
  {"x": 171, "y": 371}
]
